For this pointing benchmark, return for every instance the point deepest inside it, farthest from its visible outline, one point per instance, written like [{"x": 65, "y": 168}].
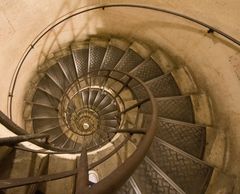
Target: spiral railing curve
[
  {"x": 112, "y": 182},
  {"x": 52, "y": 25}
]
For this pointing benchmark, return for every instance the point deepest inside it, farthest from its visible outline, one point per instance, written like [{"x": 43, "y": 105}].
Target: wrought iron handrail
[
  {"x": 8, "y": 123},
  {"x": 16, "y": 182},
  {"x": 13, "y": 127},
  {"x": 92, "y": 8},
  {"x": 10, "y": 141},
  {"x": 118, "y": 176}
]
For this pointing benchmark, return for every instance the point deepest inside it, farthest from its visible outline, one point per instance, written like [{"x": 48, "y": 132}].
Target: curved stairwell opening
[
  {"x": 87, "y": 97},
  {"x": 116, "y": 107}
]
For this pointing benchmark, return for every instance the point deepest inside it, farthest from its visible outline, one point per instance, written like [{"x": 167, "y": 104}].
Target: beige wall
[{"x": 213, "y": 61}]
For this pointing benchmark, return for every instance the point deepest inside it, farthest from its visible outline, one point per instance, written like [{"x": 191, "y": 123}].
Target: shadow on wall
[
  {"x": 52, "y": 41},
  {"x": 152, "y": 30}
]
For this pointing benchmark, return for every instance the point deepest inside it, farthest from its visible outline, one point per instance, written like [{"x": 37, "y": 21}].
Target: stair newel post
[{"x": 82, "y": 182}]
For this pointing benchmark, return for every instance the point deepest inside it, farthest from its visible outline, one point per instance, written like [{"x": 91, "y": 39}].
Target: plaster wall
[{"x": 213, "y": 61}]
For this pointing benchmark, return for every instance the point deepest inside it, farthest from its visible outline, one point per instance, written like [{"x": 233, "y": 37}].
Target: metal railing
[
  {"x": 80, "y": 11},
  {"x": 121, "y": 174},
  {"x": 110, "y": 183}
]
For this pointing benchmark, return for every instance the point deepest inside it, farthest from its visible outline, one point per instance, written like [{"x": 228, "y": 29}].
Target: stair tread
[
  {"x": 57, "y": 75},
  {"x": 162, "y": 86},
  {"x": 49, "y": 87},
  {"x": 109, "y": 123},
  {"x": 108, "y": 109},
  {"x": 186, "y": 136},
  {"x": 44, "y": 124},
  {"x": 173, "y": 163},
  {"x": 85, "y": 97},
  {"x": 43, "y": 98},
  {"x": 174, "y": 107},
  {"x": 58, "y": 139},
  {"x": 151, "y": 181},
  {"x": 46, "y": 105},
  {"x": 104, "y": 103},
  {"x": 111, "y": 58},
  {"x": 96, "y": 56},
  {"x": 187, "y": 171},
  {"x": 68, "y": 66},
  {"x": 42, "y": 111},
  {"x": 92, "y": 96},
  {"x": 147, "y": 70},
  {"x": 55, "y": 131},
  {"x": 129, "y": 60}
]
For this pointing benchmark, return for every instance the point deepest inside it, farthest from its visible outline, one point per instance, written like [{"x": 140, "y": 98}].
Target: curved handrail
[
  {"x": 8, "y": 123},
  {"x": 117, "y": 178},
  {"x": 11, "y": 183},
  {"x": 124, "y": 171},
  {"x": 13, "y": 127},
  {"x": 91, "y": 8}
]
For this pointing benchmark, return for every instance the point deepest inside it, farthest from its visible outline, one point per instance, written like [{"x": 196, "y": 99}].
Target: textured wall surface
[{"x": 213, "y": 61}]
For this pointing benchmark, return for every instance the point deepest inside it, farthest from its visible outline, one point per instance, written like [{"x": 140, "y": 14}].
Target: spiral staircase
[{"x": 102, "y": 98}]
